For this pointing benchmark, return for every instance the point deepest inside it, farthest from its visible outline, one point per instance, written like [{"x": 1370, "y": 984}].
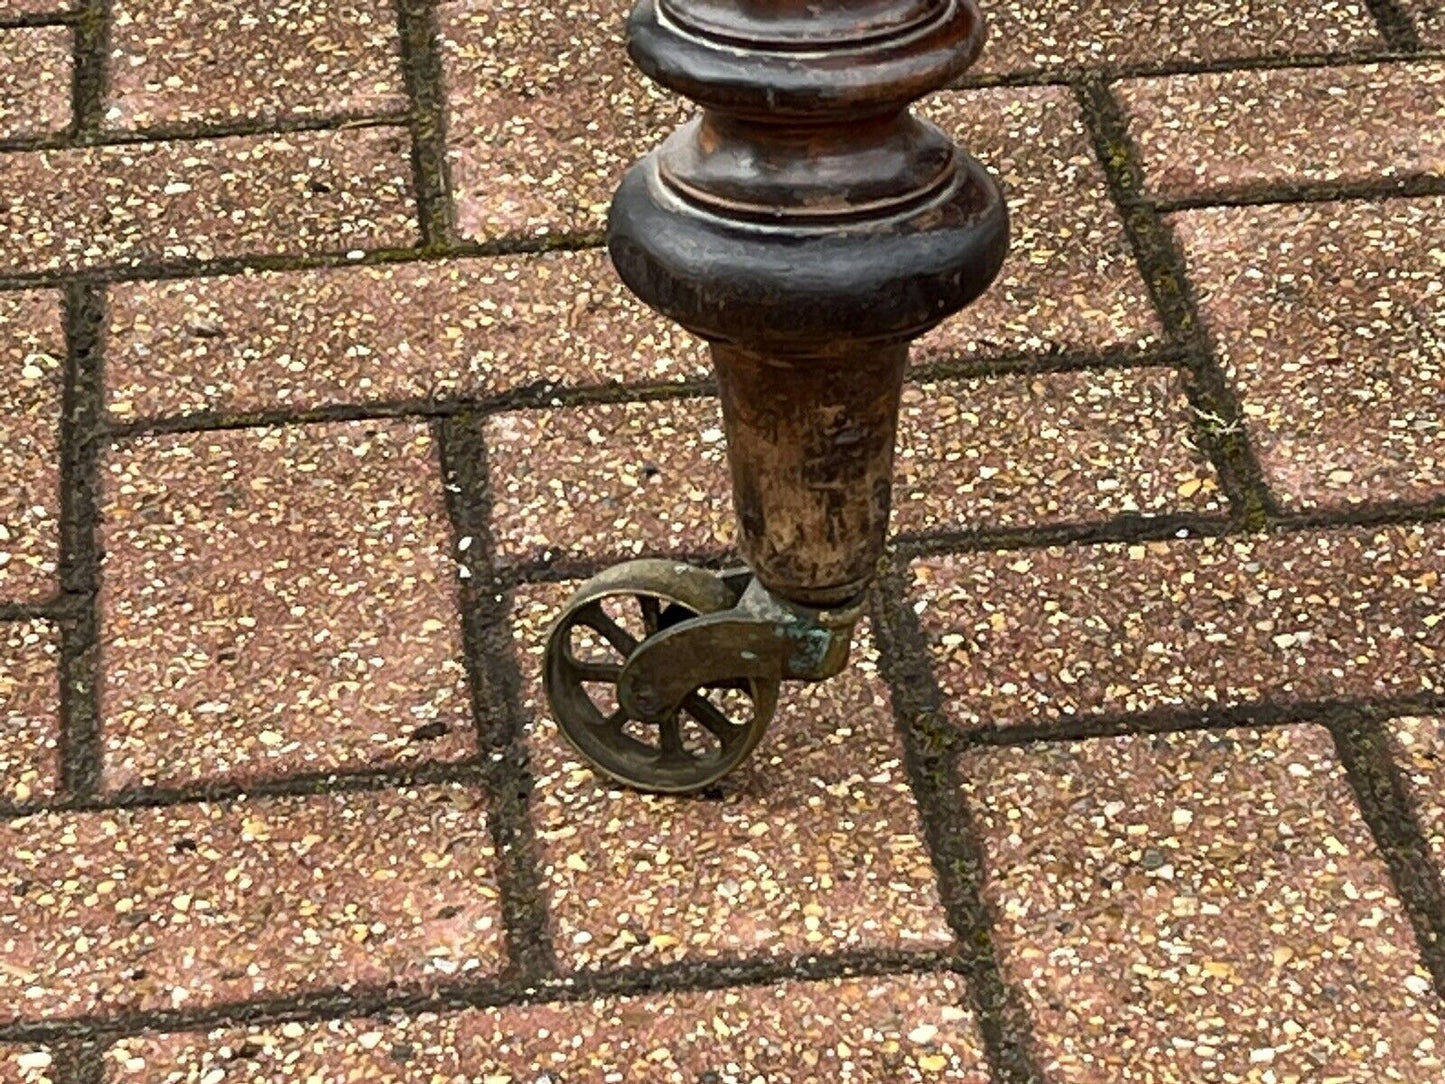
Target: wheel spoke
[
  {"x": 590, "y": 670},
  {"x": 651, "y": 609},
  {"x": 594, "y": 617},
  {"x": 709, "y": 715},
  {"x": 615, "y": 721},
  {"x": 670, "y": 738}
]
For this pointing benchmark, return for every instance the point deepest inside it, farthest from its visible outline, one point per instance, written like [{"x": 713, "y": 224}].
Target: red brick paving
[
  {"x": 304, "y": 339},
  {"x": 29, "y": 722},
  {"x": 1428, "y": 17},
  {"x": 1330, "y": 320},
  {"x": 35, "y": 72},
  {"x": 16, "y": 9},
  {"x": 278, "y": 605},
  {"x": 1015, "y": 451},
  {"x": 1419, "y": 745},
  {"x": 20, "y": 9},
  {"x": 20, "y": 1064},
  {"x": 283, "y": 195},
  {"x": 278, "y": 602},
  {"x": 185, "y": 906},
  {"x": 1225, "y": 132},
  {"x": 545, "y": 113},
  {"x": 32, "y": 352},
  {"x": 816, "y": 847},
  {"x": 1187, "y": 907},
  {"x": 560, "y": 489},
  {"x": 201, "y": 61},
  {"x": 1027, "y": 35},
  {"x": 1033, "y": 636},
  {"x": 991, "y": 452},
  {"x": 866, "y": 1031},
  {"x": 1070, "y": 282}
]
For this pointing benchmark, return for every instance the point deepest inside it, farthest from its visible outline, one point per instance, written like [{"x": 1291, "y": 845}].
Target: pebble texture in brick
[{"x": 1182, "y": 907}]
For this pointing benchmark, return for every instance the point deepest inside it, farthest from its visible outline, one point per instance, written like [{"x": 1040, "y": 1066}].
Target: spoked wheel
[{"x": 716, "y": 727}]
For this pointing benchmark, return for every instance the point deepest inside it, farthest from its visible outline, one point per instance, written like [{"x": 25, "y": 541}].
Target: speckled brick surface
[
  {"x": 865, "y": 1031},
  {"x": 815, "y": 845},
  {"x": 303, "y": 339},
  {"x": 1226, "y": 132},
  {"x": 205, "y": 62},
  {"x": 1419, "y": 745},
  {"x": 179, "y": 907},
  {"x": 545, "y": 113},
  {"x": 1330, "y": 319},
  {"x": 1428, "y": 18},
  {"x": 628, "y": 480},
  {"x": 19, "y": 9},
  {"x": 1016, "y": 451},
  {"x": 32, "y": 357},
  {"x": 1034, "y": 35},
  {"x": 1064, "y": 231},
  {"x": 1185, "y": 907},
  {"x": 20, "y": 1064},
  {"x": 278, "y": 602},
  {"x": 35, "y": 71},
  {"x": 610, "y": 481},
  {"x": 29, "y": 722},
  {"x": 1034, "y": 636},
  {"x": 269, "y": 676},
  {"x": 305, "y": 192}
]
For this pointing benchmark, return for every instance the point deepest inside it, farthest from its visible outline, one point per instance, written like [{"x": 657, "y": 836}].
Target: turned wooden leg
[{"x": 809, "y": 226}]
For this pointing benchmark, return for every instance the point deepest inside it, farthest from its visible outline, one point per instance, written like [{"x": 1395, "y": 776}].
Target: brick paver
[
  {"x": 627, "y": 480},
  {"x": 223, "y": 766},
  {"x": 865, "y": 1031},
  {"x": 18, "y": 9},
  {"x": 20, "y": 1064},
  {"x": 1042, "y": 635},
  {"x": 545, "y": 113},
  {"x": 32, "y": 357},
  {"x": 1065, "y": 231},
  {"x": 1420, "y": 751},
  {"x": 209, "y": 62},
  {"x": 29, "y": 722},
  {"x": 181, "y": 907},
  {"x": 1331, "y": 321},
  {"x": 288, "y": 195},
  {"x": 1031, "y": 35},
  {"x": 278, "y": 602},
  {"x": 1225, "y": 132},
  {"x": 1187, "y": 907},
  {"x": 815, "y": 847},
  {"x": 1019, "y": 451},
  {"x": 610, "y": 481},
  {"x": 303, "y": 339},
  {"x": 35, "y": 72},
  {"x": 1428, "y": 17}
]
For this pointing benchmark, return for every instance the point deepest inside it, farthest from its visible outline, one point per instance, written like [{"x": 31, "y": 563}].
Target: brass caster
[
  {"x": 664, "y": 676},
  {"x": 707, "y": 729}
]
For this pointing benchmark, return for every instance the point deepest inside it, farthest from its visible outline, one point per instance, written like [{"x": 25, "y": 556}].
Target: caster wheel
[{"x": 612, "y": 614}]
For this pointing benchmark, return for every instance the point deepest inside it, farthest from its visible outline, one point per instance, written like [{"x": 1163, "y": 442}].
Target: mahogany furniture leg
[{"x": 809, "y": 227}]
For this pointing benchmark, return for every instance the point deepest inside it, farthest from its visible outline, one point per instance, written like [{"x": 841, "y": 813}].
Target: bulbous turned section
[
  {"x": 768, "y": 173},
  {"x": 801, "y": 24},
  {"x": 808, "y": 226},
  {"x": 806, "y": 203},
  {"x": 779, "y": 59}
]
